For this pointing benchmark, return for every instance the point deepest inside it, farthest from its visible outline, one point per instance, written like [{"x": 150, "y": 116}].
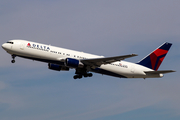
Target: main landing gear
[
  {"x": 13, "y": 57},
  {"x": 79, "y": 76}
]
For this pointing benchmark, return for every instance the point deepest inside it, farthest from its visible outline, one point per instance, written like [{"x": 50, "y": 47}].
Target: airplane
[{"x": 61, "y": 59}]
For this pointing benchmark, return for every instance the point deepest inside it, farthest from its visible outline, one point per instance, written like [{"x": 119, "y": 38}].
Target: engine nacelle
[
  {"x": 70, "y": 62},
  {"x": 57, "y": 67}
]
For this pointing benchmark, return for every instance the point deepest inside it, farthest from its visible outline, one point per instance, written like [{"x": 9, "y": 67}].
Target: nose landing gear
[{"x": 13, "y": 57}]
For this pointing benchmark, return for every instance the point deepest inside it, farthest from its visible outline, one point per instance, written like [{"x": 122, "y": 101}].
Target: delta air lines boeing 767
[{"x": 61, "y": 59}]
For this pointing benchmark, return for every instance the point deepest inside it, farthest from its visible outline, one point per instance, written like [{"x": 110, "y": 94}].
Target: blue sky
[{"x": 29, "y": 90}]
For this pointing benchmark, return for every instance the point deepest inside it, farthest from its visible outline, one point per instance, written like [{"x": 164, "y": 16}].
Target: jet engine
[
  {"x": 74, "y": 63},
  {"x": 57, "y": 67}
]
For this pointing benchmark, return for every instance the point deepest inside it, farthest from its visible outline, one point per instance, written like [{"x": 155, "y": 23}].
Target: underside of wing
[{"x": 96, "y": 62}]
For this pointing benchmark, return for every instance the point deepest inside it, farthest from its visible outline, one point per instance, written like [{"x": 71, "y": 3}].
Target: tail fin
[{"x": 154, "y": 59}]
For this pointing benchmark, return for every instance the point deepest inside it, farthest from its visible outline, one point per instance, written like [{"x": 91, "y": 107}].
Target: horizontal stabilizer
[{"x": 159, "y": 72}]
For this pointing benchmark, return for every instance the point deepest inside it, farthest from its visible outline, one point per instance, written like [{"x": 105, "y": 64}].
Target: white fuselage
[{"x": 51, "y": 54}]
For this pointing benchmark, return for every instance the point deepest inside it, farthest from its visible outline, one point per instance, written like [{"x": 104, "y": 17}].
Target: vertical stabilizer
[{"x": 154, "y": 59}]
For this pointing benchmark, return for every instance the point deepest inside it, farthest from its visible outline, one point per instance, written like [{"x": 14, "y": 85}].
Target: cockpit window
[{"x": 10, "y": 42}]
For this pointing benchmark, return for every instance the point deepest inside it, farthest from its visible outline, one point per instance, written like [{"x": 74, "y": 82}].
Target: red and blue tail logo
[{"x": 154, "y": 59}]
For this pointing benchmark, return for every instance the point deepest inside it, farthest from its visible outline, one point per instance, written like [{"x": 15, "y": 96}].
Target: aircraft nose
[{"x": 3, "y": 46}]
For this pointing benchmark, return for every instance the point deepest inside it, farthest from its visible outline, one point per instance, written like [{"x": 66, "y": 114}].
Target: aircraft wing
[
  {"x": 96, "y": 62},
  {"x": 159, "y": 72}
]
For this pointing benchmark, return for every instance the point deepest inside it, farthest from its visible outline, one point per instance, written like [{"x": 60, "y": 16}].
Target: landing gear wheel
[
  {"x": 86, "y": 75},
  {"x": 13, "y": 57},
  {"x": 77, "y": 76},
  {"x": 80, "y": 76},
  {"x": 90, "y": 75},
  {"x": 13, "y": 61}
]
